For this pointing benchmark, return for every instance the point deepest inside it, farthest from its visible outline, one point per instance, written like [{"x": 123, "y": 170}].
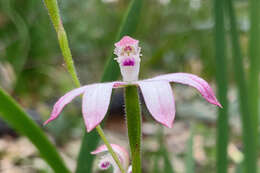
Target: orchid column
[{"x": 128, "y": 53}]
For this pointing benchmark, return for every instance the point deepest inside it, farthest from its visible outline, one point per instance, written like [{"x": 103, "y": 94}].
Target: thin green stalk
[
  {"x": 254, "y": 54},
  {"x": 133, "y": 117},
  {"x": 221, "y": 79},
  {"x": 248, "y": 124},
  {"x": 53, "y": 9},
  {"x": 103, "y": 137}
]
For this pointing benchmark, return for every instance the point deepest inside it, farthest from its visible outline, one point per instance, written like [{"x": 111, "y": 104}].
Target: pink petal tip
[
  {"x": 126, "y": 40},
  {"x": 194, "y": 81},
  {"x": 159, "y": 101}
]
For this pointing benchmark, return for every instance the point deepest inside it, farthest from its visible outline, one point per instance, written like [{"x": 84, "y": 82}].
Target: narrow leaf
[
  {"x": 189, "y": 155},
  {"x": 222, "y": 84},
  {"x": 254, "y": 54},
  {"x": 14, "y": 115},
  {"x": 248, "y": 124},
  {"x": 168, "y": 168}
]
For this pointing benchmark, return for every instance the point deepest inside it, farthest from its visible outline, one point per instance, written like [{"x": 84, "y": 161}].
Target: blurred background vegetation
[{"x": 175, "y": 36}]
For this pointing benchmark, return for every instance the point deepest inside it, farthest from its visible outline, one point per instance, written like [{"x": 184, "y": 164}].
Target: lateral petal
[
  {"x": 63, "y": 101},
  {"x": 159, "y": 100},
  {"x": 95, "y": 103},
  {"x": 194, "y": 81}
]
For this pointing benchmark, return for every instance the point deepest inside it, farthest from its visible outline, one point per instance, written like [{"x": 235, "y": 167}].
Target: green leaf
[
  {"x": 111, "y": 73},
  {"x": 239, "y": 168},
  {"x": 222, "y": 84},
  {"x": 15, "y": 116},
  {"x": 248, "y": 124},
  {"x": 189, "y": 154},
  {"x": 17, "y": 55},
  {"x": 168, "y": 168},
  {"x": 156, "y": 158},
  {"x": 254, "y": 54}
]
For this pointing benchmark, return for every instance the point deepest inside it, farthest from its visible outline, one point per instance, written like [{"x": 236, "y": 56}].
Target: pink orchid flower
[
  {"x": 106, "y": 160},
  {"x": 157, "y": 92}
]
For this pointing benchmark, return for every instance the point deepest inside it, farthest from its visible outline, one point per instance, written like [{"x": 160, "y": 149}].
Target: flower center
[
  {"x": 129, "y": 62},
  {"x": 105, "y": 165}
]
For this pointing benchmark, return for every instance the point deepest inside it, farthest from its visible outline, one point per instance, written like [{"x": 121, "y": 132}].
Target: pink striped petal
[
  {"x": 159, "y": 100},
  {"x": 63, "y": 101},
  {"x": 95, "y": 103},
  {"x": 192, "y": 80},
  {"x": 120, "y": 151}
]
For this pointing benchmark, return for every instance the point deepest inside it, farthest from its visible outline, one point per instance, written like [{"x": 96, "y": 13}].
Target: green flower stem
[
  {"x": 53, "y": 10},
  {"x": 111, "y": 151},
  {"x": 133, "y": 117}
]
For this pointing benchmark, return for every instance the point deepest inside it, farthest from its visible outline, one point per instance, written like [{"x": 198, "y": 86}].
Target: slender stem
[
  {"x": 133, "y": 116},
  {"x": 53, "y": 10},
  {"x": 111, "y": 151}
]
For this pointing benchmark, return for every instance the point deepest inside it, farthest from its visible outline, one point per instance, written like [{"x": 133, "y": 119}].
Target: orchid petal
[
  {"x": 63, "y": 101},
  {"x": 192, "y": 80},
  {"x": 159, "y": 100},
  {"x": 120, "y": 151},
  {"x": 95, "y": 103}
]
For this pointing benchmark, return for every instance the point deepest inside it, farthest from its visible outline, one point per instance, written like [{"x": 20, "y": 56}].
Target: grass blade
[
  {"x": 168, "y": 168},
  {"x": 156, "y": 163},
  {"x": 221, "y": 78},
  {"x": 189, "y": 156},
  {"x": 21, "y": 54},
  {"x": 111, "y": 72},
  {"x": 248, "y": 124},
  {"x": 14, "y": 115},
  {"x": 254, "y": 54}
]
